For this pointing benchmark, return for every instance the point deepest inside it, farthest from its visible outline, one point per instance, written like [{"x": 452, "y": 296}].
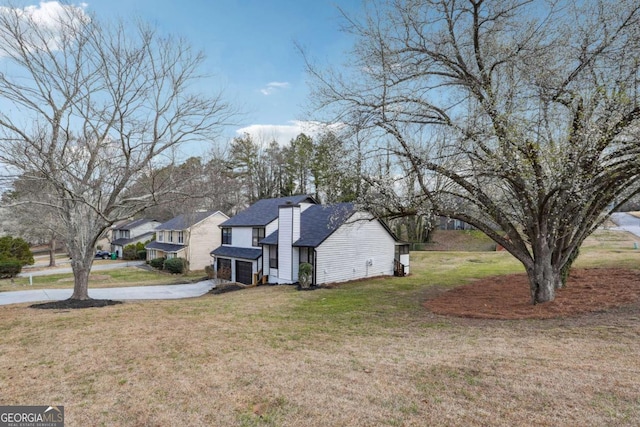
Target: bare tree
[
  {"x": 519, "y": 117},
  {"x": 93, "y": 107}
]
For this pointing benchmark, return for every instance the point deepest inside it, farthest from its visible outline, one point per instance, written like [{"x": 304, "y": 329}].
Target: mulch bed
[
  {"x": 508, "y": 297},
  {"x": 226, "y": 287},
  {"x": 75, "y": 303}
]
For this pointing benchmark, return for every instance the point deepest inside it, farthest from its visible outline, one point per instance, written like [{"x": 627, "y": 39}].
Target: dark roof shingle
[
  {"x": 320, "y": 221},
  {"x": 263, "y": 211},
  {"x": 166, "y": 247},
  {"x": 235, "y": 252},
  {"x": 140, "y": 238}
]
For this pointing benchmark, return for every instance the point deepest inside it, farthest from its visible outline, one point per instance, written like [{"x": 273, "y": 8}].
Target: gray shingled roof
[
  {"x": 271, "y": 239},
  {"x": 182, "y": 222},
  {"x": 166, "y": 247},
  {"x": 140, "y": 238},
  {"x": 132, "y": 224},
  {"x": 320, "y": 221},
  {"x": 235, "y": 252},
  {"x": 263, "y": 211}
]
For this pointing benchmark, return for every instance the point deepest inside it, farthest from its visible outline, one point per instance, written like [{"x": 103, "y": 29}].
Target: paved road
[
  {"x": 95, "y": 267},
  {"x": 132, "y": 293},
  {"x": 626, "y": 222}
]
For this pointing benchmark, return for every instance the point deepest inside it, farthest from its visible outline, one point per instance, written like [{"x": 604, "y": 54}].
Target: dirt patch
[
  {"x": 75, "y": 303},
  {"x": 507, "y": 297}
]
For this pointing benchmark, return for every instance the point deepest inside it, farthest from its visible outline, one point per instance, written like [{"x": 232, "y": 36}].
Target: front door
[{"x": 244, "y": 272}]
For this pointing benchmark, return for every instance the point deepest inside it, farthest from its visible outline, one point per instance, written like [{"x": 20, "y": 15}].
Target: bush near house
[
  {"x": 175, "y": 265},
  {"x": 157, "y": 263},
  {"x": 134, "y": 251}
]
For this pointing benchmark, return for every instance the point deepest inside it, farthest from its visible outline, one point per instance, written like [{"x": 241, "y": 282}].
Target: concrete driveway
[
  {"x": 626, "y": 222},
  {"x": 190, "y": 290}
]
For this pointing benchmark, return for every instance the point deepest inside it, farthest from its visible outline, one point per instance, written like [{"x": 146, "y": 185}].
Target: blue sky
[{"x": 250, "y": 50}]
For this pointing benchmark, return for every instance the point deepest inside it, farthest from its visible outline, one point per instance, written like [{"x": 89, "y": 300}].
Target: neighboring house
[
  {"x": 190, "y": 236},
  {"x": 270, "y": 239},
  {"x": 446, "y": 223},
  {"x": 132, "y": 232}
]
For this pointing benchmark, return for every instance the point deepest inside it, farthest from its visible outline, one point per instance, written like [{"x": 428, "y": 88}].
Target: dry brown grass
[{"x": 272, "y": 356}]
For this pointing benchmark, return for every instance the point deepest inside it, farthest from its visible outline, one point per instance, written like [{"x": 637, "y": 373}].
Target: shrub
[
  {"x": 224, "y": 273},
  {"x": 175, "y": 265},
  {"x": 130, "y": 252},
  {"x": 211, "y": 272},
  {"x": 157, "y": 263},
  {"x": 10, "y": 268},
  {"x": 142, "y": 255},
  {"x": 15, "y": 250},
  {"x": 305, "y": 275}
]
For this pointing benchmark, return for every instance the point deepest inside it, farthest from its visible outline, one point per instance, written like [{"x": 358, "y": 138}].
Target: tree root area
[
  {"x": 508, "y": 297},
  {"x": 75, "y": 303}
]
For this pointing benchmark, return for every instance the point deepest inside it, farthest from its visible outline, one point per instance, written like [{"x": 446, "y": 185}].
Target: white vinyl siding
[
  {"x": 358, "y": 249},
  {"x": 285, "y": 235},
  {"x": 241, "y": 237}
]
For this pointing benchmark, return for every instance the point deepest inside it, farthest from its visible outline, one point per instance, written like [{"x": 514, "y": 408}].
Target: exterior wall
[
  {"x": 288, "y": 232},
  {"x": 271, "y": 227},
  {"x": 144, "y": 228},
  {"x": 203, "y": 238},
  {"x": 356, "y": 250},
  {"x": 404, "y": 259},
  {"x": 241, "y": 237}
]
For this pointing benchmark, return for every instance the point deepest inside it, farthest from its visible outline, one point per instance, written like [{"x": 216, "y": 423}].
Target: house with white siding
[
  {"x": 190, "y": 236},
  {"x": 267, "y": 242},
  {"x": 132, "y": 232}
]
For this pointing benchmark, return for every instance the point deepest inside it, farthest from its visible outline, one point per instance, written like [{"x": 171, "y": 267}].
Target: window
[
  {"x": 171, "y": 255},
  {"x": 160, "y": 236},
  {"x": 258, "y": 234},
  {"x": 306, "y": 255},
  {"x": 170, "y": 238},
  {"x": 226, "y": 236},
  {"x": 180, "y": 236},
  {"x": 273, "y": 257}
]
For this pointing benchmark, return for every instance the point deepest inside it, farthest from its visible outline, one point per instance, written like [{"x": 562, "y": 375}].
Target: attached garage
[
  {"x": 244, "y": 261},
  {"x": 244, "y": 272}
]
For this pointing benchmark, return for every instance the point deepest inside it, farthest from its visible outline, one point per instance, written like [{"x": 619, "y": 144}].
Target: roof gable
[
  {"x": 263, "y": 211},
  {"x": 184, "y": 221},
  {"x": 133, "y": 224}
]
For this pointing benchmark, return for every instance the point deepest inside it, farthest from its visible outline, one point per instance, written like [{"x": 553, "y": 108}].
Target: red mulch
[{"x": 508, "y": 297}]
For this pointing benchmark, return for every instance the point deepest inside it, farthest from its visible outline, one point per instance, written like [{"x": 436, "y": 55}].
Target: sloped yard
[{"x": 361, "y": 354}]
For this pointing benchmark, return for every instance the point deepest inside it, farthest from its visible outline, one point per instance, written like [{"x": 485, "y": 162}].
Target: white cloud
[
  {"x": 273, "y": 87},
  {"x": 283, "y": 133},
  {"x": 51, "y": 17}
]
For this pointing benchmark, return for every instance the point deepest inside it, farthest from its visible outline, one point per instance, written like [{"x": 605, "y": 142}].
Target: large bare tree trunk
[
  {"x": 81, "y": 270},
  {"x": 544, "y": 276},
  {"x": 52, "y": 252}
]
